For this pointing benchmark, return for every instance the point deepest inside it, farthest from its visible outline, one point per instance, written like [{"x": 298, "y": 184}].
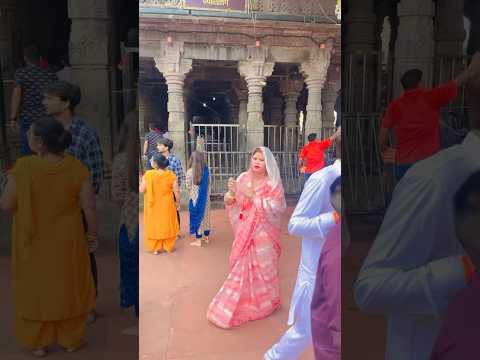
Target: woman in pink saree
[{"x": 255, "y": 203}]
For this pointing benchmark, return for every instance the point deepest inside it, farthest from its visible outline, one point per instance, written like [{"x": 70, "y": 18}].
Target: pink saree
[{"x": 252, "y": 288}]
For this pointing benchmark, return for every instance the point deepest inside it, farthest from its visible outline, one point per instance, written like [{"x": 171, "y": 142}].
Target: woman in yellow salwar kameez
[
  {"x": 160, "y": 208},
  {"x": 52, "y": 282}
]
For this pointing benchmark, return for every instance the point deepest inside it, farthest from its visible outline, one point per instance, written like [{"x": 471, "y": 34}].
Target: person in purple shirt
[
  {"x": 460, "y": 333},
  {"x": 326, "y": 301}
]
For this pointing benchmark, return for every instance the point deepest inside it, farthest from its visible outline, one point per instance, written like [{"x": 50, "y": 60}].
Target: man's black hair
[
  {"x": 166, "y": 142},
  {"x": 467, "y": 198},
  {"x": 66, "y": 92},
  {"x": 335, "y": 184},
  {"x": 312, "y": 137},
  {"x": 411, "y": 79}
]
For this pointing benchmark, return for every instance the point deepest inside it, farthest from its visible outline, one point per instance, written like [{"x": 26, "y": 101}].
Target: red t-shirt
[
  {"x": 415, "y": 118},
  {"x": 314, "y": 155}
]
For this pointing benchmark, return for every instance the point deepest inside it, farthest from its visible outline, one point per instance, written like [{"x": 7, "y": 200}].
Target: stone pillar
[
  {"x": 360, "y": 38},
  {"x": 414, "y": 47},
  {"x": 291, "y": 89},
  {"x": 360, "y": 24},
  {"x": 329, "y": 97},
  {"x": 141, "y": 116},
  {"x": 89, "y": 58},
  {"x": 174, "y": 69},
  {"x": 176, "y": 107},
  {"x": 449, "y": 31},
  {"x": 242, "y": 96},
  {"x": 449, "y": 37},
  {"x": 255, "y": 73},
  {"x": 8, "y": 15},
  {"x": 315, "y": 73}
]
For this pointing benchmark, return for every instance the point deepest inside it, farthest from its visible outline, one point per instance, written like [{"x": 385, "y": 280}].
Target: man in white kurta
[
  {"x": 312, "y": 219},
  {"x": 414, "y": 266}
]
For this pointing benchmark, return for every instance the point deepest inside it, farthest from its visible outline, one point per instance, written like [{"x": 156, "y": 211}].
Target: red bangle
[
  {"x": 336, "y": 217},
  {"x": 469, "y": 268}
]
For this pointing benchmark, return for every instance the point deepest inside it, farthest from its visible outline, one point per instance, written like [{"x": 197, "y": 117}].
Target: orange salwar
[
  {"x": 52, "y": 282},
  {"x": 160, "y": 214}
]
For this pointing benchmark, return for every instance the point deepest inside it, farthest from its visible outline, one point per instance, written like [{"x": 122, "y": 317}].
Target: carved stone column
[
  {"x": 255, "y": 74},
  {"x": 315, "y": 73},
  {"x": 291, "y": 90},
  {"x": 89, "y": 58},
  {"x": 242, "y": 96},
  {"x": 174, "y": 69},
  {"x": 141, "y": 115},
  {"x": 329, "y": 97},
  {"x": 360, "y": 24},
  {"x": 449, "y": 37},
  {"x": 414, "y": 47},
  {"x": 449, "y": 31}
]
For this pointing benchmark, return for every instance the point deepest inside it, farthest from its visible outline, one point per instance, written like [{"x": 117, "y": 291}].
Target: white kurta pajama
[
  {"x": 311, "y": 220},
  {"x": 414, "y": 267}
]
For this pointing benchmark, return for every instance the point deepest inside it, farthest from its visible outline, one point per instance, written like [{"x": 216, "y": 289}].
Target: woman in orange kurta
[
  {"x": 160, "y": 208},
  {"x": 52, "y": 283}
]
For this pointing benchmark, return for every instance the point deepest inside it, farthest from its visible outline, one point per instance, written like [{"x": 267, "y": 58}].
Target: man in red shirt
[
  {"x": 415, "y": 119},
  {"x": 312, "y": 155}
]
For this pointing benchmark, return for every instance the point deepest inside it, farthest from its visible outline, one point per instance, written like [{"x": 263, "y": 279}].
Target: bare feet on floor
[
  {"x": 196, "y": 243},
  {"x": 75, "y": 349},
  {"x": 42, "y": 352}
]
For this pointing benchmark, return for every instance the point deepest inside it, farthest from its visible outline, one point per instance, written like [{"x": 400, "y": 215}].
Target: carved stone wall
[{"x": 290, "y": 7}]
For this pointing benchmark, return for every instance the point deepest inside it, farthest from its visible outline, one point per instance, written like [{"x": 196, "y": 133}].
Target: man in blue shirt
[
  {"x": 60, "y": 100},
  {"x": 165, "y": 145}
]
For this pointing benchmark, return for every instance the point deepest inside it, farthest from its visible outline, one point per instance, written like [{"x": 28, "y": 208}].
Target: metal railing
[
  {"x": 369, "y": 181},
  {"x": 227, "y": 156},
  {"x": 366, "y": 85},
  {"x": 446, "y": 69}
]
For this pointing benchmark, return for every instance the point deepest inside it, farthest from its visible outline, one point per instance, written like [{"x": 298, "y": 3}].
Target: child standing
[{"x": 198, "y": 186}]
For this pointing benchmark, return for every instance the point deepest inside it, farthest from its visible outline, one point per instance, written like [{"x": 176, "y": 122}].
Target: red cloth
[
  {"x": 459, "y": 335},
  {"x": 314, "y": 155},
  {"x": 415, "y": 118}
]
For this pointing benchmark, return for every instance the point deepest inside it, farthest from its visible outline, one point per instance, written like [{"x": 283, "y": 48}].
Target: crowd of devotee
[{"x": 52, "y": 192}]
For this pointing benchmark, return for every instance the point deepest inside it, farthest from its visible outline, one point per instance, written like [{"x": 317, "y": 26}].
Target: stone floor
[
  {"x": 363, "y": 335},
  {"x": 177, "y": 288},
  {"x": 104, "y": 338}
]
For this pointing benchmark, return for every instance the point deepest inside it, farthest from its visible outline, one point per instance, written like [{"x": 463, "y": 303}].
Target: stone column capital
[
  {"x": 315, "y": 74},
  {"x": 255, "y": 74}
]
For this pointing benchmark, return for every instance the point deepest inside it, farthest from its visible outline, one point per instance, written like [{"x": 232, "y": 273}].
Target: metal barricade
[
  {"x": 221, "y": 144},
  {"x": 369, "y": 181},
  {"x": 227, "y": 156}
]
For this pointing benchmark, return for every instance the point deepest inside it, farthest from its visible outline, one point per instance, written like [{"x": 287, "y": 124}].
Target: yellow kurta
[
  {"x": 160, "y": 213},
  {"x": 53, "y": 284}
]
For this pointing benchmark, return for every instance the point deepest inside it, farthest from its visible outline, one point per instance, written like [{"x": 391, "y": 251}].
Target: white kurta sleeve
[
  {"x": 398, "y": 275},
  {"x": 312, "y": 216}
]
